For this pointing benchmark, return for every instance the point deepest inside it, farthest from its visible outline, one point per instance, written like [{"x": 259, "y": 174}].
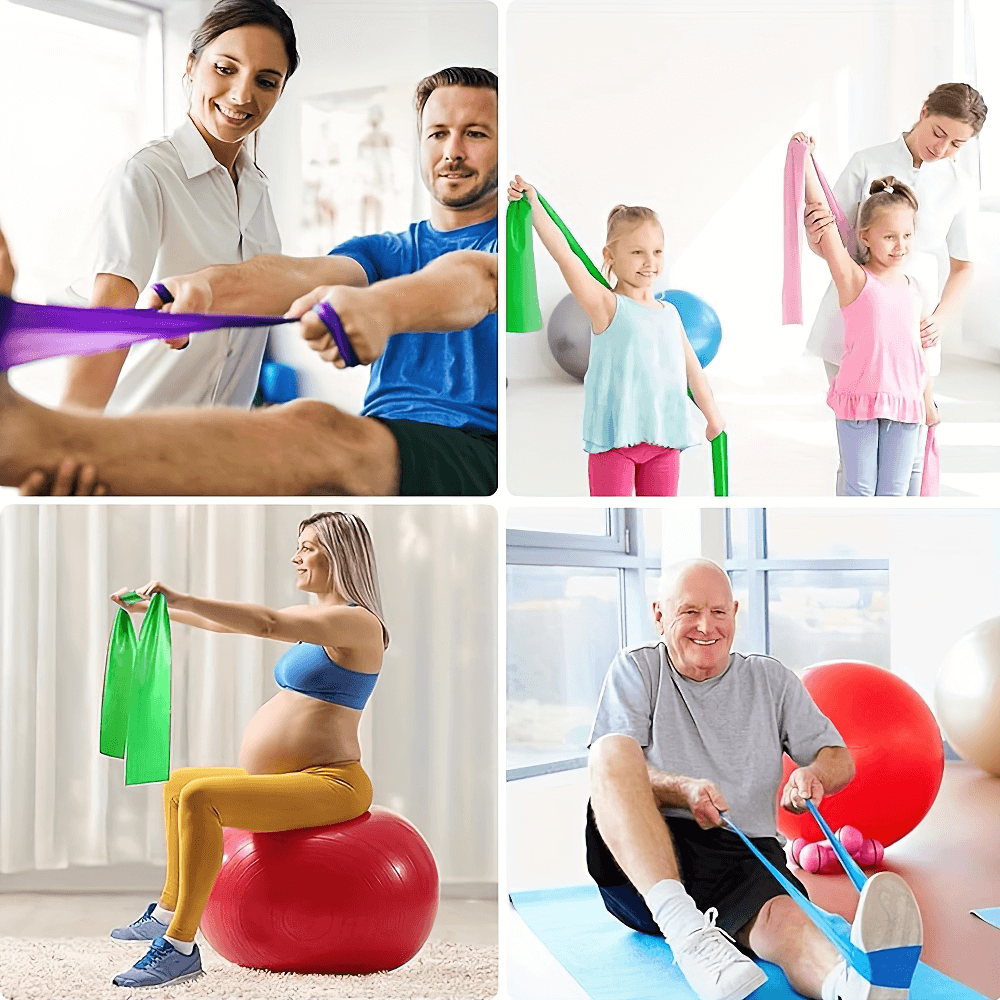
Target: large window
[
  {"x": 812, "y": 585},
  {"x": 579, "y": 586}
]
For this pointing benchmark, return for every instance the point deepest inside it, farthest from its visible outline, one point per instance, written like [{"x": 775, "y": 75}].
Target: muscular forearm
[
  {"x": 668, "y": 789},
  {"x": 834, "y": 767},
  {"x": 267, "y": 285},
  {"x": 454, "y": 292}
]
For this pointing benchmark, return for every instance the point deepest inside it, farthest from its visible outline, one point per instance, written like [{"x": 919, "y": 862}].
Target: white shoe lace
[{"x": 711, "y": 945}]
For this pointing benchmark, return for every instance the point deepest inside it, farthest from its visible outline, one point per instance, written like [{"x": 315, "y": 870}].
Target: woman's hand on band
[
  {"x": 173, "y": 597},
  {"x": 134, "y": 606}
]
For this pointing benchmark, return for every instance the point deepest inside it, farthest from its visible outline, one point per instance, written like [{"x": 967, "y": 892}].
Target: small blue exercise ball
[
  {"x": 569, "y": 330},
  {"x": 701, "y": 322}
]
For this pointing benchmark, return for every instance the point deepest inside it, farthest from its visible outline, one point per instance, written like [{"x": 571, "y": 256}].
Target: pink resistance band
[
  {"x": 931, "y": 481},
  {"x": 30, "y": 332},
  {"x": 795, "y": 202}
]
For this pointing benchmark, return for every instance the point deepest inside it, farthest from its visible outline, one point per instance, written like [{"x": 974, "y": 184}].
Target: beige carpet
[{"x": 82, "y": 969}]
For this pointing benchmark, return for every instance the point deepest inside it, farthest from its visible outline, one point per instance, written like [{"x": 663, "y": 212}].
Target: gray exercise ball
[
  {"x": 569, "y": 337},
  {"x": 967, "y": 696}
]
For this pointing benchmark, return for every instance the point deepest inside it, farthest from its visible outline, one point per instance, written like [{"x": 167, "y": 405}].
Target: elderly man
[
  {"x": 686, "y": 731},
  {"x": 421, "y": 305}
]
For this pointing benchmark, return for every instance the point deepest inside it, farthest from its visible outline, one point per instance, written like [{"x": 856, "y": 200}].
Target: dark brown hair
[
  {"x": 229, "y": 14},
  {"x": 453, "y": 76},
  {"x": 885, "y": 192},
  {"x": 959, "y": 102},
  {"x": 623, "y": 215}
]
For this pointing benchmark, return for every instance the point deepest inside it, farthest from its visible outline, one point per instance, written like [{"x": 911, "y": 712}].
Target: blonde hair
[
  {"x": 348, "y": 547},
  {"x": 618, "y": 218},
  {"x": 885, "y": 192}
]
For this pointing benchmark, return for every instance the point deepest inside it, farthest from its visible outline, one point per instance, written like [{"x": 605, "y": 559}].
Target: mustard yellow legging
[{"x": 199, "y": 801}]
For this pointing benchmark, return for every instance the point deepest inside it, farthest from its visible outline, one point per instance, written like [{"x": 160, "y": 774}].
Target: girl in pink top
[{"x": 881, "y": 394}]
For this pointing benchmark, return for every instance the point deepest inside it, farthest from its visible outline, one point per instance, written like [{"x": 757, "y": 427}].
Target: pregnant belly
[{"x": 293, "y": 731}]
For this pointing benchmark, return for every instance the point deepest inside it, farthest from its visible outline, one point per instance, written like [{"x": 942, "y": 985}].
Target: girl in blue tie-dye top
[{"x": 636, "y": 409}]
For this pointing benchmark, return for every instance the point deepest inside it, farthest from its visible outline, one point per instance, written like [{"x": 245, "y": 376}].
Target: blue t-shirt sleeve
[{"x": 380, "y": 254}]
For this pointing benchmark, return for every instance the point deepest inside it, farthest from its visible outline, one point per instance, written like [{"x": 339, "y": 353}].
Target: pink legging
[{"x": 646, "y": 469}]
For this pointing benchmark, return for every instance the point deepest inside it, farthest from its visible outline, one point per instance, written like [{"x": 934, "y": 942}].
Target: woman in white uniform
[
  {"x": 941, "y": 260},
  {"x": 191, "y": 200}
]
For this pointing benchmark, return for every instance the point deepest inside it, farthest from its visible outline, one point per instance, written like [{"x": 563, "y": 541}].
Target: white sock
[
  {"x": 833, "y": 980},
  {"x": 184, "y": 947},
  {"x": 673, "y": 910},
  {"x": 164, "y": 916}
]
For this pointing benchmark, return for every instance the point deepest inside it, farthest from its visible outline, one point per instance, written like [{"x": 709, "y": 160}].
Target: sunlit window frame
[
  {"x": 622, "y": 547},
  {"x": 758, "y": 565}
]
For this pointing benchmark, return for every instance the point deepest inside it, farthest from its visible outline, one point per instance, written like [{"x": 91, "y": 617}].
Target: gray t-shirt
[{"x": 730, "y": 729}]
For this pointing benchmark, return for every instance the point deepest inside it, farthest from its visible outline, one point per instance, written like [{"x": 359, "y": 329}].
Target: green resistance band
[
  {"x": 135, "y": 708},
  {"x": 524, "y": 315}
]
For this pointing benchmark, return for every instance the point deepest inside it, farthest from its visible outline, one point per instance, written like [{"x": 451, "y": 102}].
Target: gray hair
[{"x": 348, "y": 548}]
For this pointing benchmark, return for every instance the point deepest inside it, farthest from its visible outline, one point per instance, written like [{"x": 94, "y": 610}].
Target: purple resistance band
[{"x": 30, "y": 332}]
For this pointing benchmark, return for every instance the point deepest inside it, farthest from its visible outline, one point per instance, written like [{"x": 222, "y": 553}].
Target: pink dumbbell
[
  {"x": 851, "y": 838},
  {"x": 870, "y": 854}
]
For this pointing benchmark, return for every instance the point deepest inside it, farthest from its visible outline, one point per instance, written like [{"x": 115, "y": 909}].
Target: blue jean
[{"x": 877, "y": 456}]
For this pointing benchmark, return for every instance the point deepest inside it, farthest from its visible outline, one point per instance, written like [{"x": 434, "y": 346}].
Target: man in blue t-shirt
[{"x": 420, "y": 306}]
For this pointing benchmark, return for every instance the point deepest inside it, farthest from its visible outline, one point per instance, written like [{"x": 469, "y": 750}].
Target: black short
[
  {"x": 437, "y": 461},
  {"x": 716, "y": 867}
]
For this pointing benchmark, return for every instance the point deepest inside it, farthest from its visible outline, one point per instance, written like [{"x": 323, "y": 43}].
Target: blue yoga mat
[
  {"x": 612, "y": 962},
  {"x": 991, "y": 915}
]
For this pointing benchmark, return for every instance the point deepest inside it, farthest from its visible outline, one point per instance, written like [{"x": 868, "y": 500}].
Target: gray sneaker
[
  {"x": 162, "y": 964},
  {"x": 145, "y": 928}
]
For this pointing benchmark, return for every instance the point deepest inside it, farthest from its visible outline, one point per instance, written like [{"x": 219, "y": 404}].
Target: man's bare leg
[
  {"x": 627, "y": 815},
  {"x": 299, "y": 449},
  {"x": 781, "y": 933}
]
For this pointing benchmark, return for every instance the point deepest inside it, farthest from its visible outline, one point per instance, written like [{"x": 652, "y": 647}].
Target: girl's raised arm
[
  {"x": 597, "y": 301},
  {"x": 847, "y": 274}
]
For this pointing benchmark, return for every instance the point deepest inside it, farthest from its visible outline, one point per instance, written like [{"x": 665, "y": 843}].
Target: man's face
[
  {"x": 458, "y": 146},
  {"x": 698, "y": 621}
]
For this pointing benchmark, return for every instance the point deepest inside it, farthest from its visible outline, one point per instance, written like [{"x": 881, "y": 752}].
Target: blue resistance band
[{"x": 888, "y": 967}]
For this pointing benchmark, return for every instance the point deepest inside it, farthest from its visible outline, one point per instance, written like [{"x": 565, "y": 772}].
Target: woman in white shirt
[
  {"x": 941, "y": 258},
  {"x": 191, "y": 200}
]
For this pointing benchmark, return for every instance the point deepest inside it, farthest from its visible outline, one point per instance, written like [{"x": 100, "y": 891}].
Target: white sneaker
[
  {"x": 887, "y": 917},
  {"x": 713, "y": 966}
]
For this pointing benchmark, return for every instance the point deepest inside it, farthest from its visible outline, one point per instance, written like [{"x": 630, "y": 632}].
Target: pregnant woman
[
  {"x": 301, "y": 752},
  {"x": 940, "y": 259}
]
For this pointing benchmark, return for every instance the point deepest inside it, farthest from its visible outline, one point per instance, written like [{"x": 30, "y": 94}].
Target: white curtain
[{"x": 428, "y": 736}]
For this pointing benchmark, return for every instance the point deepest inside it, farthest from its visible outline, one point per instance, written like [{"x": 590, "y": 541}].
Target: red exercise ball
[
  {"x": 897, "y": 749},
  {"x": 354, "y": 897}
]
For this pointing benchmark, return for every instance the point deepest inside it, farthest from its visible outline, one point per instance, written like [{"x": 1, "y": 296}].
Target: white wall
[
  {"x": 688, "y": 108},
  {"x": 944, "y": 578}
]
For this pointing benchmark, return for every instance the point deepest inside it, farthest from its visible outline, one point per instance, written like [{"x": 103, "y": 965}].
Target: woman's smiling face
[
  {"x": 236, "y": 81},
  {"x": 936, "y": 137},
  {"x": 312, "y": 567}
]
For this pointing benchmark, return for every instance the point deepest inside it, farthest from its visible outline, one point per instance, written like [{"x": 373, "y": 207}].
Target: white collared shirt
[
  {"x": 170, "y": 209},
  {"x": 947, "y": 200}
]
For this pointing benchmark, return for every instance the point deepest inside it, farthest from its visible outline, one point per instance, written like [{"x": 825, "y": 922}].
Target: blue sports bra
[{"x": 309, "y": 670}]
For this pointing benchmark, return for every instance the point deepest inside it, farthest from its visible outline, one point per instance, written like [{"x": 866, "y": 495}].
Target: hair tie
[{"x": 888, "y": 189}]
